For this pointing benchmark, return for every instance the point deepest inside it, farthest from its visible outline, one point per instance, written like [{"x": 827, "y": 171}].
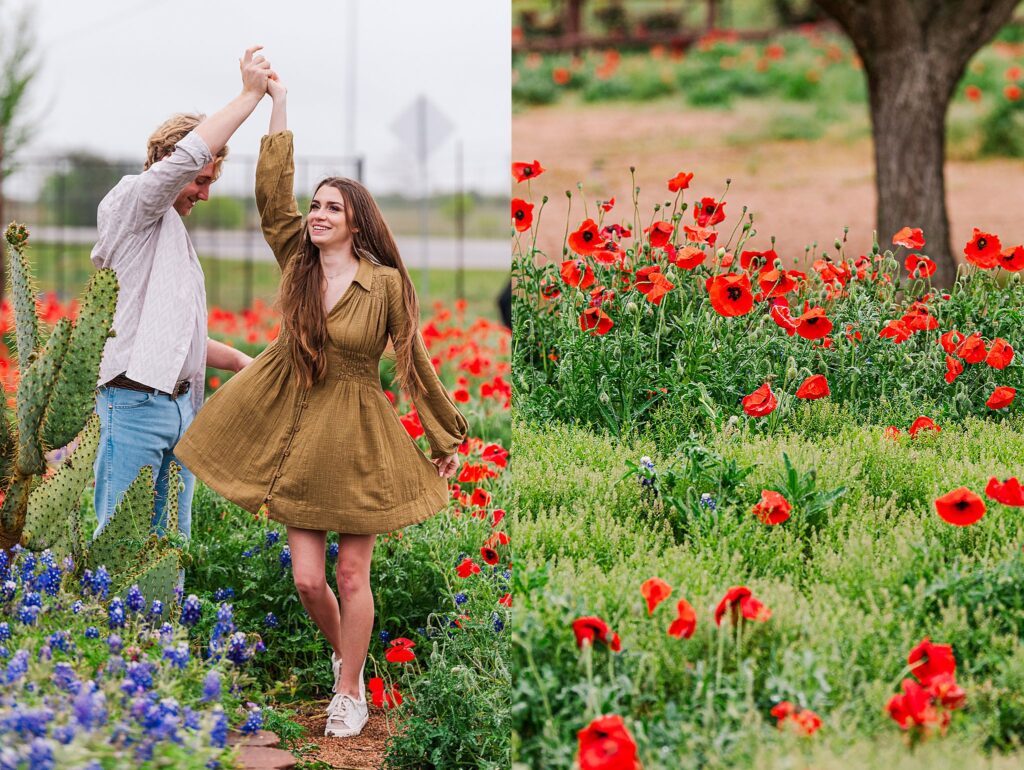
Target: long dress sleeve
[
  {"x": 275, "y": 196},
  {"x": 443, "y": 423}
]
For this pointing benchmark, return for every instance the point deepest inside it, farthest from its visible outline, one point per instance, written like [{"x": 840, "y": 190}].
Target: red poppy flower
[
  {"x": 496, "y": 454},
  {"x": 1000, "y": 354},
  {"x": 919, "y": 266},
  {"x": 489, "y": 555},
  {"x": 773, "y": 508},
  {"x": 943, "y": 687},
  {"x": 780, "y": 314},
  {"x": 929, "y": 660},
  {"x": 617, "y": 230},
  {"x": 922, "y": 423},
  {"x": 806, "y": 722},
  {"x": 467, "y": 567},
  {"x": 730, "y": 294},
  {"x": 506, "y": 600},
  {"x": 607, "y": 205},
  {"x": 660, "y": 233},
  {"x": 1012, "y": 259},
  {"x": 1001, "y": 397},
  {"x": 686, "y": 621},
  {"x": 381, "y": 697},
  {"x": 983, "y": 249},
  {"x": 961, "y": 507},
  {"x": 709, "y": 212},
  {"x": 763, "y": 260},
  {"x": 654, "y": 286},
  {"x": 481, "y": 498},
  {"x": 953, "y": 369},
  {"x": 679, "y": 182},
  {"x": 688, "y": 257},
  {"x": 700, "y": 235},
  {"x": 783, "y": 710},
  {"x": 605, "y": 744},
  {"x": 919, "y": 318},
  {"x": 914, "y": 707},
  {"x": 586, "y": 239},
  {"x": 655, "y": 591},
  {"x": 815, "y": 386},
  {"x": 741, "y": 602},
  {"x": 576, "y": 272},
  {"x": 522, "y": 214},
  {"x": 523, "y": 171},
  {"x": 595, "y": 321},
  {"x": 497, "y": 514},
  {"x": 776, "y": 283},
  {"x": 589, "y": 628},
  {"x": 411, "y": 422},
  {"x": 951, "y": 340},
  {"x": 911, "y": 238},
  {"x": 972, "y": 350},
  {"x": 400, "y": 651},
  {"x": 892, "y": 432},
  {"x": 1008, "y": 492},
  {"x": 897, "y": 330},
  {"x": 549, "y": 288},
  {"x": 761, "y": 402},
  {"x": 832, "y": 272},
  {"x": 814, "y": 324}
]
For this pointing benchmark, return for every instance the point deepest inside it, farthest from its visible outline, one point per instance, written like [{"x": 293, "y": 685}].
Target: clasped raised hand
[{"x": 256, "y": 71}]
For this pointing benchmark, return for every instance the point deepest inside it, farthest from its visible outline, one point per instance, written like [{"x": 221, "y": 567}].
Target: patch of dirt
[
  {"x": 363, "y": 752},
  {"x": 800, "y": 191}
]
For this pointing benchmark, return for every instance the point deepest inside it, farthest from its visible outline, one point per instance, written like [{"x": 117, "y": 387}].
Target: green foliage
[
  {"x": 72, "y": 195},
  {"x": 220, "y": 212}
]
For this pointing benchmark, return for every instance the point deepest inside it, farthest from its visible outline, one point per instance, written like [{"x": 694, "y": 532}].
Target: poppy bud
[
  {"x": 791, "y": 370},
  {"x": 544, "y": 199},
  {"x": 631, "y": 307},
  {"x": 684, "y": 207},
  {"x": 721, "y": 252},
  {"x": 963, "y": 403},
  {"x": 657, "y": 207}
]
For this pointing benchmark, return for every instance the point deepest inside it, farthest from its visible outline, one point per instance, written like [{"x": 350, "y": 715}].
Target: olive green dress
[{"x": 333, "y": 457}]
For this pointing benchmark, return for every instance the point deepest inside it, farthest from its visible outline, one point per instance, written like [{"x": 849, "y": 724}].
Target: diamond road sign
[{"x": 423, "y": 127}]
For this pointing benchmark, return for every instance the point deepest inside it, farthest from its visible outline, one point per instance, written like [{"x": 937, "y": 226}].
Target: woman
[{"x": 306, "y": 431}]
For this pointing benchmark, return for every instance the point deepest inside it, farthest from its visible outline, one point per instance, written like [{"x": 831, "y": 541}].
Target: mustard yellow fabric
[{"x": 333, "y": 457}]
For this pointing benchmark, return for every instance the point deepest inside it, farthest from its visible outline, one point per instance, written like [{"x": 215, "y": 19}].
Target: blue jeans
[{"x": 138, "y": 429}]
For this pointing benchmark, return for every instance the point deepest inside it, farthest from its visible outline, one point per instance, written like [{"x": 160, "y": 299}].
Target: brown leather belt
[{"x": 121, "y": 381}]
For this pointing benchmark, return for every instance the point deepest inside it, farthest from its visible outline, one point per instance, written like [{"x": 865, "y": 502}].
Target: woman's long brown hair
[{"x": 301, "y": 296}]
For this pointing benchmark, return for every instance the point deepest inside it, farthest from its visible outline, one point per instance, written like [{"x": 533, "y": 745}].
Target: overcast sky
[{"x": 113, "y": 70}]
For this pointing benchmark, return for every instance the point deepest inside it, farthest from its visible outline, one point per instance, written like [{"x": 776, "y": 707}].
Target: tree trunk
[
  {"x": 909, "y": 96},
  {"x": 914, "y": 53}
]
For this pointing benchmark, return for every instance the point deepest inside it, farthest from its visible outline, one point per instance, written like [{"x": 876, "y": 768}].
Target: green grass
[
  {"x": 227, "y": 280},
  {"x": 849, "y": 599}
]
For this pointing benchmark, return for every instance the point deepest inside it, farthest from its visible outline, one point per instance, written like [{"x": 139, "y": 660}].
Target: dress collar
[{"x": 364, "y": 273}]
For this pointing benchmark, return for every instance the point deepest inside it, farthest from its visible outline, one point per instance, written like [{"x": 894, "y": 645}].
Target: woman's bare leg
[
  {"x": 308, "y": 559},
  {"x": 354, "y": 556}
]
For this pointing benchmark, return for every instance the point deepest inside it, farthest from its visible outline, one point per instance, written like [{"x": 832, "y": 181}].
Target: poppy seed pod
[{"x": 631, "y": 307}]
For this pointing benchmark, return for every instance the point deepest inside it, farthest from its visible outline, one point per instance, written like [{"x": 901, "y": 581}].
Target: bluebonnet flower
[
  {"x": 114, "y": 643},
  {"x": 219, "y": 733},
  {"x": 259, "y": 647},
  {"x": 4, "y": 652},
  {"x": 89, "y": 706},
  {"x": 92, "y": 632},
  {"x": 247, "y": 553},
  {"x": 211, "y": 687},
  {"x": 461, "y": 598},
  {"x": 100, "y": 582},
  {"x": 77, "y": 607},
  {"x": 286, "y": 557},
  {"x": 27, "y": 614},
  {"x": 237, "y": 652},
  {"x": 17, "y": 667},
  {"x": 270, "y": 621},
  {"x": 385, "y": 636},
  {"x": 40, "y": 755},
  {"x": 707, "y": 501},
  {"x": 191, "y": 718},
  {"x": 60, "y": 640},
  {"x": 32, "y": 599},
  {"x": 5, "y": 631},
  {"x": 28, "y": 567},
  {"x": 178, "y": 656},
  {"x": 273, "y": 537},
  {"x": 254, "y": 723},
  {"x": 26, "y": 722},
  {"x": 8, "y": 590},
  {"x": 332, "y": 550},
  {"x": 156, "y": 610},
  {"x": 135, "y": 600},
  {"x": 64, "y": 734},
  {"x": 223, "y": 593},
  {"x": 45, "y": 653},
  {"x": 647, "y": 463},
  {"x": 49, "y": 580},
  {"x": 5, "y": 565},
  {"x": 499, "y": 624},
  {"x": 47, "y": 559},
  {"x": 140, "y": 674},
  {"x": 64, "y": 678},
  {"x": 190, "y": 611},
  {"x": 115, "y": 613},
  {"x": 166, "y": 633},
  {"x": 225, "y": 614}
]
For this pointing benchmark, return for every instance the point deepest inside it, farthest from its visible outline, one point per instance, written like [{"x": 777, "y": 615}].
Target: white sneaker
[
  {"x": 336, "y": 668},
  {"x": 345, "y": 717}
]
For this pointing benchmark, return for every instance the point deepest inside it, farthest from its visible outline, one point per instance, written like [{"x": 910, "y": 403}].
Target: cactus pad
[
  {"x": 23, "y": 291},
  {"x": 125, "y": 533},
  {"x": 157, "y": 579},
  {"x": 74, "y": 395},
  {"x": 55, "y": 503},
  {"x": 33, "y": 393}
]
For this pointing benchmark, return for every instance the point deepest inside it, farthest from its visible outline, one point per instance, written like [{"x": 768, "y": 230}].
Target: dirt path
[
  {"x": 800, "y": 191},
  {"x": 364, "y": 752}
]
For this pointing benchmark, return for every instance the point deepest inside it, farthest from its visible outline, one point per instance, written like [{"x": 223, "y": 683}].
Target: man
[{"x": 153, "y": 371}]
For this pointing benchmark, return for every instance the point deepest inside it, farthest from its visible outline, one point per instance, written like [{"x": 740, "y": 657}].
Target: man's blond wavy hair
[{"x": 173, "y": 130}]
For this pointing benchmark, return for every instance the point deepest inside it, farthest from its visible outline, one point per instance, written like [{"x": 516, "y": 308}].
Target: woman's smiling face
[{"x": 328, "y": 220}]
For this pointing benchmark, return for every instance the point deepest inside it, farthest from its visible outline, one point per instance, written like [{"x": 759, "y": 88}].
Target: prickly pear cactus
[{"x": 34, "y": 390}]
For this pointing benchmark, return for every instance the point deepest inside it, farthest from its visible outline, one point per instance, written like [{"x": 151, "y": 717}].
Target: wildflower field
[
  {"x": 91, "y": 677},
  {"x": 768, "y": 509}
]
